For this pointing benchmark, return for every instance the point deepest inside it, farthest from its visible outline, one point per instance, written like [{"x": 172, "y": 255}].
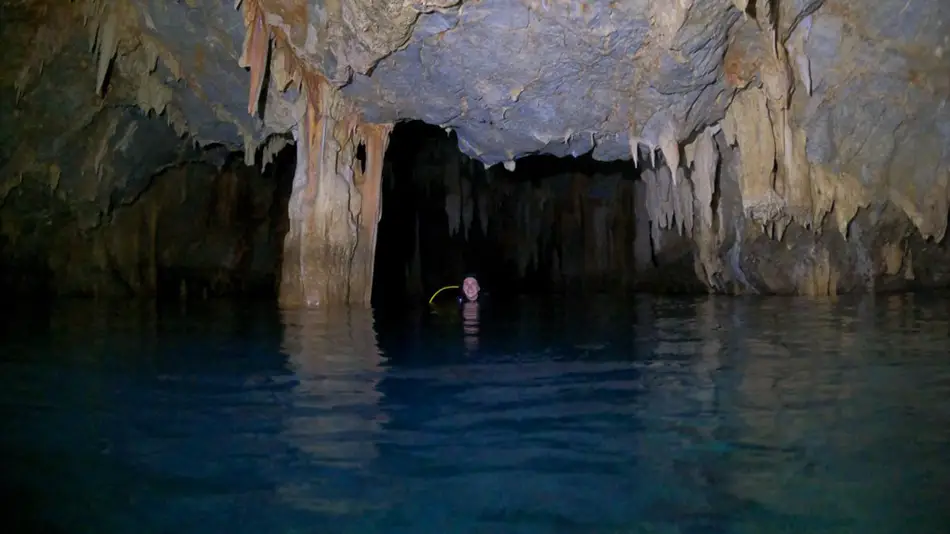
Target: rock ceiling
[{"x": 830, "y": 103}]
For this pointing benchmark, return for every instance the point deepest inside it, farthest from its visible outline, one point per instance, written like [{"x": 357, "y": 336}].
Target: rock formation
[
  {"x": 549, "y": 225},
  {"x": 791, "y": 146}
]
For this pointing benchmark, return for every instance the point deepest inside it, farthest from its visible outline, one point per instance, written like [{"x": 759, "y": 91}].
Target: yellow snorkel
[{"x": 441, "y": 290}]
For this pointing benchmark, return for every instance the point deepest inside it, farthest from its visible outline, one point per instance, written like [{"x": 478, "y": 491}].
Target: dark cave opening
[{"x": 551, "y": 226}]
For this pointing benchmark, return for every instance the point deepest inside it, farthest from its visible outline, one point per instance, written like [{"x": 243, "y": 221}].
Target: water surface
[{"x": 712, "y": 415}]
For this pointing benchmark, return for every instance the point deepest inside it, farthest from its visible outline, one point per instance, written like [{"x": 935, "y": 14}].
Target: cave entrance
[{"x": 553, "y": 225}]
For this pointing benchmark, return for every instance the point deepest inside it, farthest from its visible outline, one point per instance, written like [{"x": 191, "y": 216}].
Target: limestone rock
[{"x": 833, "y": 114}]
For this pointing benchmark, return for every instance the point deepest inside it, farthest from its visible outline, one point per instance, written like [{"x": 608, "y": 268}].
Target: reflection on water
[
  {"x": 470, "y": 325},
  {"x": 333, "y": 416},
  {"x": 654, "y": 415},
  {"x": 337, "y": 367}
]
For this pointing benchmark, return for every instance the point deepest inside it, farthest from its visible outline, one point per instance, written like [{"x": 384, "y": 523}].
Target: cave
[
  {"x": 547, "y": 226},
  {"x": 280, "y": 149}
]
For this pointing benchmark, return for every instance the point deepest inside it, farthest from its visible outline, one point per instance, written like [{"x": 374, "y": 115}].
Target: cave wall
[
  {"x": 101, "y": 192},
  {"x": 566, "y": 224},
  {"x": 194, "y": 230},
  {"x": 817, "y": 237},
  {"x": 817, "y": 167}
]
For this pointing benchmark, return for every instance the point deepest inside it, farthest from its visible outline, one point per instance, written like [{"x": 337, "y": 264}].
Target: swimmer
[
  {"x": 469, "y": 302},
  {"x": 470, "y": 290}
]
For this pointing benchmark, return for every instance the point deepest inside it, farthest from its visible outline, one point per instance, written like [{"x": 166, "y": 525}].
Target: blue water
[{"x": 712, "y": 415}]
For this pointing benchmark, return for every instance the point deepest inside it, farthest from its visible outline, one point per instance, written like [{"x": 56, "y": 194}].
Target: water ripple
[{"x": 658, "y": 415}]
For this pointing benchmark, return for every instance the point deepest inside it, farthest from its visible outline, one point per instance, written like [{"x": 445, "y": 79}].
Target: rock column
[{"x": 335, "y": 204}]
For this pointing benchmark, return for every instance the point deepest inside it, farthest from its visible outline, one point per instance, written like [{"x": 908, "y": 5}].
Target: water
[{"x": 651, "y": 416}]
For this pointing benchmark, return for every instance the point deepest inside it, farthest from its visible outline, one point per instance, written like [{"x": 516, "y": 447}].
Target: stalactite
[
  {"x": 250, "y": 149},
  {"x": 654, "y": 206},
  {"x": 666, "y": 201},
  {"x": 483, "y": 211},
  {"x": 634, "y": 147},
  {"x": 452, "y": 182},
  {"x": 468, "y": 205},
  {"x": 704, "y": 175},
  {"x": 106, "y": 46},
  {"x": 707, "y": 237},
  {"x": 272, "y": 147},
  {"x": 642, "y": 248},
  {"x": 369, "y": 184},
  {"x": 841, "y": 194},
  {"x": 116, "y": 23},
  {"x": 255, "y": 52},
  {"x": 683, "y": 207},
  {"x": 152, "y": 95},
  {"x": 748, "y": 124},
  {"x": 671, "y": 150}
]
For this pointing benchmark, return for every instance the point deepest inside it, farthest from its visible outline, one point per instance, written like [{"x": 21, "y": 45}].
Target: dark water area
[{"x": 652, "y": 415}]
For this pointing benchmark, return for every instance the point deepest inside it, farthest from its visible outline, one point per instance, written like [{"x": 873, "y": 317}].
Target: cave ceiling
[{"x": 517, "y": 77}]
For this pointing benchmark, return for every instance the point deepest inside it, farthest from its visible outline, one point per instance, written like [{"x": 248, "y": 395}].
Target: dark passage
[{"x": 553, "y": 226}]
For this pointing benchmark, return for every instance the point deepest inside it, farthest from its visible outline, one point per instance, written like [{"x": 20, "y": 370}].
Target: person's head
[{"x": 470, "y": 288}]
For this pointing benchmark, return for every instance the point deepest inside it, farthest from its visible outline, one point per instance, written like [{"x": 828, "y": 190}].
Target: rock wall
[
  {"x": 753, "y": 233},
  {"x": 100, "y": 96},
  {"x": 100, "y": 192},
  {"x": 556, "y": 225},
  {"x": 789, "y": 146},
  {"x": 191, "y": 231}
]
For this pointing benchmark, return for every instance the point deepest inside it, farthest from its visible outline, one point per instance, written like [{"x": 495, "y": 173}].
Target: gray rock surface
[{"x": 517, "y": 77}]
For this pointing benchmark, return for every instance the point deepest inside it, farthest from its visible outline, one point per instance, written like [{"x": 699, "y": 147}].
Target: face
[{"x": 470, "y": 288}]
